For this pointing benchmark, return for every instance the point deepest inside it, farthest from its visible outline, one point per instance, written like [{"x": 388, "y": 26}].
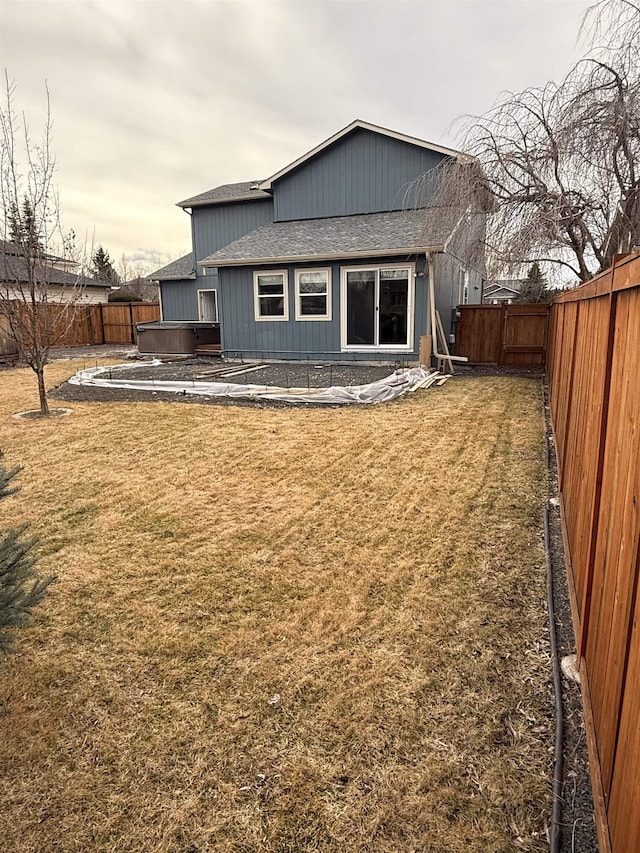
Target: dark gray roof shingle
[
  {"x": 226, "y": 193},
  {"x": 396, "y": 232},
  {"x": 13, "y": 268},
  {"x": 181, "y": 268}
]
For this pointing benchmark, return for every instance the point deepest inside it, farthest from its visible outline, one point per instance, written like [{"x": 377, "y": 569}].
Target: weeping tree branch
[{"x": 559, "y": 163}]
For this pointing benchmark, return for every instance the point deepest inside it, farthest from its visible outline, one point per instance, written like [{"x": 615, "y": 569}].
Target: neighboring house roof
[
  {"x": 366, "y": 235},
  {"x": 505, "y": 288},
  {"x": 244, "y": 191},
  {"x": 13, "y": 268},
  {"x": 142, "y": 287},
  {"x": 514, "y": 284},
  {"x": 181, "y": 268},
  {"x": 363, "y": 125},
  {"x": 9, "y": 248}
]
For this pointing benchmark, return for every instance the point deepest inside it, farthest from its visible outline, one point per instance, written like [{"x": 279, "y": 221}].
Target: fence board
[
  {"x": 105, "y": 323},
  {"x": 514, "y": 335},
  {"x": 593, "y": 369}
]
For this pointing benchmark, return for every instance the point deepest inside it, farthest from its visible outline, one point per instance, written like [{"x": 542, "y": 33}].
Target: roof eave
[
  {"x": 191, "y": 277},
  {"x": 190, "y": 203},
  {"x": 332, "y": 256}
]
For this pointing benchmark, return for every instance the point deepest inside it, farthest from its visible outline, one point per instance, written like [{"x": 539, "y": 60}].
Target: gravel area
[
  {"x": 578, "y": 823},
  {"x": 275, "y": 374}
]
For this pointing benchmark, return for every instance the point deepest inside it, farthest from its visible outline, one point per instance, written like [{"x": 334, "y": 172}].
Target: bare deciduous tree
[
  {"x": 35, "y": 255},
  {"x": 560, "y": 165}
]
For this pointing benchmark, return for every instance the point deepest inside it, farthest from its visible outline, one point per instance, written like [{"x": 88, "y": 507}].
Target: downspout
[{"x": 434, "y": 328}]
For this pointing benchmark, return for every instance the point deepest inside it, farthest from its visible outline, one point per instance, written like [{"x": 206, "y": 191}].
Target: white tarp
[{"x": 382, "y": 391}]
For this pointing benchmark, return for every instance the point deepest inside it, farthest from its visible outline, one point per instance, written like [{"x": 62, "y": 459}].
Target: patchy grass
[{"x": 281, "y": 630}]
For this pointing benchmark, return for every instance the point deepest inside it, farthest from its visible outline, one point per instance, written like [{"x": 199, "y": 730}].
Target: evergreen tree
[
  {"x": 103, "y": 267},
  {"x": 24, "y": 230},
  {"x": 20, "y": 589},
  {"x": 534, "y": 288}
]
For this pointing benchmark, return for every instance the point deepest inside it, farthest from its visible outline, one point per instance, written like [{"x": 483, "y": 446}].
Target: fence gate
[{"x": 513, "y": 335}]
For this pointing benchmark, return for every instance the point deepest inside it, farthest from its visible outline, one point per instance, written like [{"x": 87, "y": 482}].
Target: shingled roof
[
  {"x": 400, "y": 232},
  {"x": 181, "y": 268},
  {"x": 13, "y": 268},
  {"x": 245, "y": 191}
]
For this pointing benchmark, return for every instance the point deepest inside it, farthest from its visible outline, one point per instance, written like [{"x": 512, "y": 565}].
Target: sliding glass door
[{"x": 377, "y": 309}]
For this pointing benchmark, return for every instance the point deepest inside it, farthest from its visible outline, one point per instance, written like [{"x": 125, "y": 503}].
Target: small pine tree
[
  {"x": 103, "y": 267},
  {"x": 20, "y": 589},
  {"x": 534, "y": 287},
  {"x": 24, "y": 230}
]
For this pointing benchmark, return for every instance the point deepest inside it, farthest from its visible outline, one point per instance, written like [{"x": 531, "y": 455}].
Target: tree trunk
[{"x": 44, "y": 403}]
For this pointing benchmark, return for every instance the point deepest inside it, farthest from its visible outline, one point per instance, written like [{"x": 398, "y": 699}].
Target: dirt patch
[
  {"x": 274, "y": 374},
  {"x": 36, "y": 414}
]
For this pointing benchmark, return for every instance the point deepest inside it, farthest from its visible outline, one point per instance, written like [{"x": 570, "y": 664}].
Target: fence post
[
  {"x": 503, "y": 321},
  {"x": 585, "y": 606},
  {"x": 133, "y": 332},
  {"x": 102, "y": 335}
]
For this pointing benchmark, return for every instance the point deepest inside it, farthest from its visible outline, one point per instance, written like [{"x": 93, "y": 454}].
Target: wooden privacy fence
[
  {"x": 594, "y": 382},
  {"x": 513, "y": 335},
  {"x": 103, "y": 323}
]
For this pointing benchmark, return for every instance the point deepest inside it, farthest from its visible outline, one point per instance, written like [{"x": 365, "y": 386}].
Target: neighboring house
[
  {"x": 329, "y": 257},
  {"x": 61, "y": 285},
  {"x": 144, "y": 289},
  {"x": 502, "y": 291}
]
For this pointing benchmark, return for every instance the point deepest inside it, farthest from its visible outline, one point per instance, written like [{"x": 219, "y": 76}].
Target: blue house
[{"x": 335, "y": 256}]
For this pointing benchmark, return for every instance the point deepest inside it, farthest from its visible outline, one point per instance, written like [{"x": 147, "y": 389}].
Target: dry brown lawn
[{"x": 280, "y": 630}]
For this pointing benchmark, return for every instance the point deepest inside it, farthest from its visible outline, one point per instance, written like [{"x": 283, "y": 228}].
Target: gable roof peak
[{"x": 359, "y": 124}]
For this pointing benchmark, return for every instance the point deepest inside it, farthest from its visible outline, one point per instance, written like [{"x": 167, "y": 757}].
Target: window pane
[
  {"x": 313, "y": 287},
  {"x": 313, "y": 277},
  {"x": 269, "y": 289},
  {"x": 386, "y": 275},
  {"x": 394, "y": 306},
  {"x": 271, "y": 278},
  {"x": 361, "y": 297},
  {"x": 313, "y": 305},
  {"x": 271, "y": 306}
]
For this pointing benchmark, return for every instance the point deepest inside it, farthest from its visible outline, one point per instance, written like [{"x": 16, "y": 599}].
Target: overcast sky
[{"x": 156, "y": 100}]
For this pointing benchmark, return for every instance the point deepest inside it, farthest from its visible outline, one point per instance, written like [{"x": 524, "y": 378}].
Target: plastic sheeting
[{"x": 383, "y": 391}]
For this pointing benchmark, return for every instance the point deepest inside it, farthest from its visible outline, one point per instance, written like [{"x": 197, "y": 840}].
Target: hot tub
[{"x": 176, "y": 338}]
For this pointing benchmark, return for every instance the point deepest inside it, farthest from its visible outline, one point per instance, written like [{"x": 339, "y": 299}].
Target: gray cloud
[{"x": 155, "y": 101}]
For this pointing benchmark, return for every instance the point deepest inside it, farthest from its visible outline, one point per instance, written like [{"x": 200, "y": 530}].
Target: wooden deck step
[{"x": 212, "y": 350}]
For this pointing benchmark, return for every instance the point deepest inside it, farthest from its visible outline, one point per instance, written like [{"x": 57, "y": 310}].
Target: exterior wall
[
  {"x": 179, "y": 299},
  {"x": 292, "y": 339},
  {"x": 81, "y": 296},
  {"x": 363, "y": 172},
  {"x": 447, "y": 271},
  {"x": 217, "y": 225}
]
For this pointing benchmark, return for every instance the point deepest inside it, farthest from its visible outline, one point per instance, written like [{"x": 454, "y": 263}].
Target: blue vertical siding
[
  {"x": 218, "y": 225},
  {"x": 179, "y": 300},
  {"x": 301, "y": 339},
  {"x": 363, "y": 172}
]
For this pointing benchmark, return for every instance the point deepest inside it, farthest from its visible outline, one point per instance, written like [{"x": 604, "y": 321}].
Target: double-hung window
[
  {"x": 271, "y": 300},
  {"x": 313, "y": 294}
]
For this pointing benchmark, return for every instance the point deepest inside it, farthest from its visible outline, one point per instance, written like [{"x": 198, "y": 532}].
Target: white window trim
[
  {"x": 410, "y": 309},
  {"x": 208, "y": 290},
  {"x": 256, "y": 297},
  {"x": 298, "y": 296}
]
